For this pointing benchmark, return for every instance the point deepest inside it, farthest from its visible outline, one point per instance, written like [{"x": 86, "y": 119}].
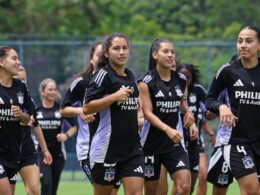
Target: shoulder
[
  {"x": 148, "y": 77},
  {"x": 100, "y": 75},
  {"x": 75, "y": 83},
  {"x": 179, "y": 76},
  {"x": 222, "y": 69},
  {"x": 199, "y": 87}
]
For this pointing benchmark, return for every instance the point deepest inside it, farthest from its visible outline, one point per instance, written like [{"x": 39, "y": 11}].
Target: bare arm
[
  {"x": 39, "y": 136},
  {"x": 61, "y": 137}
]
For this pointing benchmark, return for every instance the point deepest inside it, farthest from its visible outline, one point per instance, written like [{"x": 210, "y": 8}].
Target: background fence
[{"x": 61, "y": 59}]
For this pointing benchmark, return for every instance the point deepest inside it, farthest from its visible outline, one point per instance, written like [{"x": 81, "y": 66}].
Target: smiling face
[
  {"x": 49, "y": 92},
  {"x": 248, "y": 45},
  {"x": 118, "y": 52},
  {"x": 165, "y": 56},
  {"x": 10, "y": 62}
]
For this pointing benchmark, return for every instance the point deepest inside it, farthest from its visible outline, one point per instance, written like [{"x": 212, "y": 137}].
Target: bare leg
[
  {"x": 150, "y": 187},
  {"x": 182, "y": 181},
  {"x": 202, "y": 177},
  {"x": 163, "y": 182},
  {"x": 31, "y": 179},
  {"x": 133, "y": 185}
]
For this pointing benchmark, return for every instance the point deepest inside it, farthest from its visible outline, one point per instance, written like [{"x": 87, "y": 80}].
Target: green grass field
[{"x": 81, "y": 187}]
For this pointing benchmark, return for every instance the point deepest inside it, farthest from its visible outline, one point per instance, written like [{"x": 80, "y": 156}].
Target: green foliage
[{"x": 183, "y": 19}]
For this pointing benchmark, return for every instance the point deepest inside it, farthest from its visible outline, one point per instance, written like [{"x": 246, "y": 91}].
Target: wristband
[{"x": 68, "y": 136}]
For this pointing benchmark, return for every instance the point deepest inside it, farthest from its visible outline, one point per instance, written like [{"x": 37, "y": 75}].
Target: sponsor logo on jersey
[
  {"x": 223, "y": 179},
  {"x": 248, "y": 97},
  {"x": 50, "y": 124},
  {"x": 238, "y": 83},
  {"x": 159, "y": 94},
  {"x": 109, "y": 174},
  {"x": 20, "y": 97},
  {"x": 149, "y": 171},
  {"x": 7, "y": 115},
  {"x": 168, "y": 106},
  {"x": 1, "y": 101},
  {"x": 248, "y": 162}
]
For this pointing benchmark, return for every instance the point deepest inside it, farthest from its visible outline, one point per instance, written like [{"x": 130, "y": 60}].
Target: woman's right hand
[
  {"x": 174, "y": 135},
  {"x": 47, "y": 158},
  {"x": 122, "y": 94},
  {"x": 88, "y": 118},
  {"x": 226, "y": 117}
]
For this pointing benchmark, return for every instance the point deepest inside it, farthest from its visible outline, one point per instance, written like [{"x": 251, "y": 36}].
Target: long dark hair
[
  {"x": 4, "y": 50},
  {"x": 90, "y": 66},
  {"x": 155, "y": 47},
  {"x": 103, "y": 60},
  {"x": 193, "y": 69}
]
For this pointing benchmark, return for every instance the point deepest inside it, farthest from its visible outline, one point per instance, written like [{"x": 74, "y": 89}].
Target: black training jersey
[
  {"x": 11, "y": 133},
  {"x": 50, "y": 121},
  {"x": 74, "y": 97},
  {"x": 116, "y": 138},
  {"x": 196, "y": 97},
  {"x": 28, "y": 146},
  {"x": 243, "y": 91},
  {"x": 165, "y": 98}
]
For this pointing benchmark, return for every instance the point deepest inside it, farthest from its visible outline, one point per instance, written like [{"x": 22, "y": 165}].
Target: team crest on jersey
[
  {"x": 178, "y": 91},
  {"x": 148, "y": 171},
  {"x": 20, "y": 97},
  {"x": 57, "y": 114},
  {"x": 223, "y": 179},
  {"x": 39, "y": 115},
  {"x": 248, "y": 162},
  {"x": 109, "y": 175},
  {"x": 192, "y": 98}
]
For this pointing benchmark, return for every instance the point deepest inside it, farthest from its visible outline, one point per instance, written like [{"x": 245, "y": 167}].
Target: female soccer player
[
  {"x": 241, "y": 136},
  {"x": 15, "y": 109},
  {"x": 115, "y": 151},
  {"x": 163, "y": 94},
  {"x": 50, "y": 120}
]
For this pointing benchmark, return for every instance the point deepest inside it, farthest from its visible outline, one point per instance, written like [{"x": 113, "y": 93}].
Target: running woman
[
  {"x": 50, "y": 120},
  {"x": 163, "y": 94},
  {"x": 115, "y": 151},
  {"x": 16, "y": 108},
  {"x": 241, "y": 136}
]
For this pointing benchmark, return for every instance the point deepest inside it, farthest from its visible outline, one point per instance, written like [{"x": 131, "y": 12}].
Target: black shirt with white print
[
  {"x": 243, "y": 91},
  {"x": 116, "y": 138},
  {"x": 11, "y": 133},
  {"x": 165, "y": 98},
  {"x": 51, "y": 123}
]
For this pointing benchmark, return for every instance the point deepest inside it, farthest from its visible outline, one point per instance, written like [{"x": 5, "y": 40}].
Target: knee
[
  {"x": 32, "y": 190},
  {"x": 183, "y": 188}
]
